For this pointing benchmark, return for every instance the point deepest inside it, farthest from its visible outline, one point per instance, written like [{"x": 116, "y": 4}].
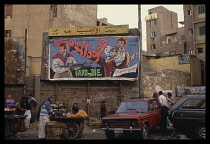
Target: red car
[{"x": 135, "y": 116}]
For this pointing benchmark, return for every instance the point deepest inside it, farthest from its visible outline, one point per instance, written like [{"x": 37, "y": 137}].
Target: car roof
[
  {"x": 140, "y": 99},
  {"x": 195, "y": 96}
]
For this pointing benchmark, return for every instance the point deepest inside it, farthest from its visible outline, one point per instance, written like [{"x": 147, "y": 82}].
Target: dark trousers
[{"x": 163, "y": 121}]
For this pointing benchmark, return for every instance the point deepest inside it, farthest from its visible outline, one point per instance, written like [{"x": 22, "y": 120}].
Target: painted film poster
[{"x": 94, "y": 58}]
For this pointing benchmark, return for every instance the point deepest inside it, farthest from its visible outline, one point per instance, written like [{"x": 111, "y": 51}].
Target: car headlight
[{"x": 133, "y": 123}]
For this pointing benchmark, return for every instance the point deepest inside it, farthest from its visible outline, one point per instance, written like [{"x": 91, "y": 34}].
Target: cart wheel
[
  {"x": 6, "y": 130},
  {"x": 71, "y": 131}
]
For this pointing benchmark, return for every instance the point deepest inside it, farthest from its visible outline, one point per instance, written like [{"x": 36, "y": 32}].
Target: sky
[{"x": 128, "y": 14}]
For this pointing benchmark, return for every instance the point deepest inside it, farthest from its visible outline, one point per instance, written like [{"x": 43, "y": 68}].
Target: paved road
[{"x": 94, "y": 134}]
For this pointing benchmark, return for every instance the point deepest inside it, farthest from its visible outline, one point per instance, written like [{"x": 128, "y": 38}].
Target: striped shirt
[{"x": 46, "y": 109}]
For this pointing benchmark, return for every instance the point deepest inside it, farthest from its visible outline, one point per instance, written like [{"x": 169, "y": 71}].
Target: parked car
[
  {"x": 188, "y": 116},
  {"x": 135, "y": 117}
]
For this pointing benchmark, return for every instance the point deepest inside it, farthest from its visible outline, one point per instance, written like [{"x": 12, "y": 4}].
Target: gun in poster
[{"x": 78, "y": 65}]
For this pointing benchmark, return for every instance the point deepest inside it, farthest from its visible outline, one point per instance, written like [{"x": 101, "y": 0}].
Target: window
[
  {"x": 153, "y": 22},
  {"x": 8, "y": 12},
  {"x": 53, "y": 9},
  {"x": 169, "y": 40},
  {"x": 152, "y": 46},
  {"x": 156, "y": 105},
  {"x": 153, "y": 34},
  {"x": 200, "y": 50},
  {"x": 7, "y": 33},
  {"x": 194, "y": 104},
  {"x": 202, "y": 30},
  {"x": 190, "y": 31},
  {"x": 201, "y": 9},
  {"x": 98, "y": 23},
  {"x": 189, "y": 12},
  {"x": 191, "y": 52}
]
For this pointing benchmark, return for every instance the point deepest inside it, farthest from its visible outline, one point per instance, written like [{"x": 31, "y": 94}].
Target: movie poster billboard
[{"x": 94, "y": 58}]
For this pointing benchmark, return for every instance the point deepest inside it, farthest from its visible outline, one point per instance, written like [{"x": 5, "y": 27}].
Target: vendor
[
  {"x": 45, "y": 112},
  {"x": 75, "y": 108},
  {"x": 10, "y": 102}
]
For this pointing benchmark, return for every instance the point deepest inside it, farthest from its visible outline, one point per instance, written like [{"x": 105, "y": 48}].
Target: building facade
[
  {"x": 195, "y": 29},
  {"x": 163, "y": 35},
  {"x": 30, "y": 21}
]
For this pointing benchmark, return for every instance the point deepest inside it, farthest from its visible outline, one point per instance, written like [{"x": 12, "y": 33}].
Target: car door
[
  {"x": 157, "y": 112},
  {"x": 190, "y": 113},
  {"x": 152, "y": 114}
]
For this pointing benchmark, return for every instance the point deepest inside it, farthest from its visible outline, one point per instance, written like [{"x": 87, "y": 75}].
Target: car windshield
[
  {"x": 130, "y": 106},
  {"x": 181, "y": 100}
]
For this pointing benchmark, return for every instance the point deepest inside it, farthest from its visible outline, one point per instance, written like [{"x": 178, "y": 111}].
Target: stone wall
[{"x": 166, "y": 78}]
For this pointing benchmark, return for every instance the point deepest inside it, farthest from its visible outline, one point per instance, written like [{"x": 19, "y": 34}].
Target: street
[{"x": 96, "y": 134}]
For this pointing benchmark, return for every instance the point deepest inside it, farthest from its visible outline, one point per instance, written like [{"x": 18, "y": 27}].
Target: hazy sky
[{"x": 128, "y": 14}]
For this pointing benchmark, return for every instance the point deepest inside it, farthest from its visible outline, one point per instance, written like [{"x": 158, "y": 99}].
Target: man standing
[
  {"x": 33, "y": 103},
  {"x": 164, "y": 113},
  {"x": 45, "y": 112},
  {"x": 61, "y": 61}
]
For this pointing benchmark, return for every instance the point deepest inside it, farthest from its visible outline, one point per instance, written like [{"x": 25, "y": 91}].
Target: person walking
[
  {"x": 45, "y": 112},
  {"x": 33, "y": 104}
]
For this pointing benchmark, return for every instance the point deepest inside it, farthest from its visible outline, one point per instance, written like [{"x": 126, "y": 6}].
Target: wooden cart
[
  {"x": 73, "y": 126},
  {"x": 12, "y": 124}
]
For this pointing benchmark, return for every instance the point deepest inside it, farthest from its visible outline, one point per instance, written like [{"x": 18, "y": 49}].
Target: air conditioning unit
[{"x": 8, "y": 17}]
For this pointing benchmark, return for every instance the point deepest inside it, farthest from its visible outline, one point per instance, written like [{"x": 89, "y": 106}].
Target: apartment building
[
  {"x": 30, "y": 21},
  {"x": 195, "y": 29},
  {"x": 163, "y": 35}
]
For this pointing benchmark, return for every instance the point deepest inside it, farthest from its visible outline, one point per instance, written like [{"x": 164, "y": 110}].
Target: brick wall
[{"x": 166, "y": 78}]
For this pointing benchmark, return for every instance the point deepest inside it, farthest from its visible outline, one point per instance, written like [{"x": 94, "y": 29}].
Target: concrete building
[
  {"x": 195, "y": 29},
  {"x": 102, "y": 22},
  {"x": 163, "y": 35},
  {"x": 30, "y": 21}
]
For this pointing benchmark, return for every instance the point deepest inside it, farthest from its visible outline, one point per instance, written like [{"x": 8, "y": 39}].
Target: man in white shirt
[{"x": 164, "y": 112}]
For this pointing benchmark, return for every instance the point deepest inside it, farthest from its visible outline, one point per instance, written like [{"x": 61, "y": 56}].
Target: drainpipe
[{"x": 140, "y": 50}]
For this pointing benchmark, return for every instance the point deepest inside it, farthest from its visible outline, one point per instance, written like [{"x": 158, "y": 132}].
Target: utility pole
[{"x": 140, "y": 50}]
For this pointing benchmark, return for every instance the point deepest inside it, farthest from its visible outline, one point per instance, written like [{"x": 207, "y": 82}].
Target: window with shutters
[
  {"x": 53, "y": 9},
  {"x": 189, "y": 12},
  {"x": 190, "y": 31},
  {"x": 153, "y": 22},
  {"x": 201, "y": 9},
  {"x": 8, "y": 12},
  {"x": 153, "y": 34}
]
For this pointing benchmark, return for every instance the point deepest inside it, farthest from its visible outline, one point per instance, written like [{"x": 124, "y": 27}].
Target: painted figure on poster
[
  {"x": 116, "y": 57},
  {"x": 62, "y": 62}
]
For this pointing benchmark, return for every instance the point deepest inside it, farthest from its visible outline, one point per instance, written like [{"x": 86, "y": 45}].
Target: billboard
[{"x": 94, "y": 58}]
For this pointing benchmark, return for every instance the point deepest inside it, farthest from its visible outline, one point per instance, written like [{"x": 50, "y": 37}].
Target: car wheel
[
  {"x": 144, "y": 131},
  {"x": 109, "y": 134},
  {"x": 201, "y": 131}
]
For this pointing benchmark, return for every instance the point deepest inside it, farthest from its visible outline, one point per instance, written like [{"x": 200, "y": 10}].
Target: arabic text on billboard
[{"x": 94, "y": 58}]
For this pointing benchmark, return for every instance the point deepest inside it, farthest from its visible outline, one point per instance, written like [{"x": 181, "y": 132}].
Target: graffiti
[{"x": 94, "y": 57}]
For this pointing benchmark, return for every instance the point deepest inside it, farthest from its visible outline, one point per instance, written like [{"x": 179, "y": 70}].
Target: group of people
[
  {"x": 25, "y": 106},
  {"x": 166, "y": 102}
]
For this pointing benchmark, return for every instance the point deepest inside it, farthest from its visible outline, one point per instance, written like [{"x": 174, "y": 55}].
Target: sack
[
  {"x": 28, "y": 118},
  {"x": 81, "y": 113}
]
